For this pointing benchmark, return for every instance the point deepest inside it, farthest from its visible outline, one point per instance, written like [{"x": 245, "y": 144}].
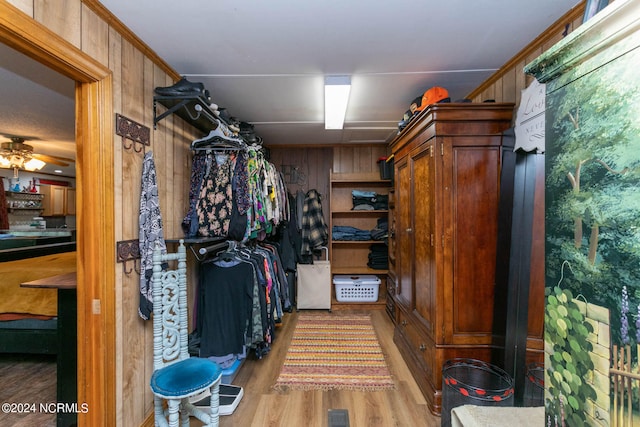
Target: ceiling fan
[{"x": 17, "y": 154}]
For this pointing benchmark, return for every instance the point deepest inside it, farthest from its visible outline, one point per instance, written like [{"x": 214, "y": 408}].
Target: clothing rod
[{"x": 213, "y": 248}]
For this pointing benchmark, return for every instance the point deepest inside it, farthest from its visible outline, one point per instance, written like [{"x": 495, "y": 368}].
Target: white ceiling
[
  {"x": 38, "y": 105},
  {"x": 265, "y": 60}
]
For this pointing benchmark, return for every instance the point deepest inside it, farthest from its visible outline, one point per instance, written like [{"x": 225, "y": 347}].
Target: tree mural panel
[{"x": 592, "y": 209}]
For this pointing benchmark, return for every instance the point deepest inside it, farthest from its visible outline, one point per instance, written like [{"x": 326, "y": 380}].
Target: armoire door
[
  {"x": 404, "y": 234},
  {"x": 471, "y": 170},
  {"x": 424, "y": 236}
]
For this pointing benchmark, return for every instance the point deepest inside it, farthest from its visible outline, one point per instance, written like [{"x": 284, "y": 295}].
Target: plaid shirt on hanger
[{"x": 314, "y": 230}]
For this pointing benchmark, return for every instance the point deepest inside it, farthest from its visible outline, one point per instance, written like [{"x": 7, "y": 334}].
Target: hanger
[{"x": 219, "y": 139}]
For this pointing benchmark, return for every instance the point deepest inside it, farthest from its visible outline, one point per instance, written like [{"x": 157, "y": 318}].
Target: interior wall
[
  {"x": 507, "y": 84},
  {"x": 135, "y": 73},
  {"x": 135, "y": 76},
  {"x": 358, "y": 158},
  {"x": 306, "y": 168}
]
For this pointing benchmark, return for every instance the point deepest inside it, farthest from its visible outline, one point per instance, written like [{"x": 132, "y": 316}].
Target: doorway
[{"x": 95, "y": 216}]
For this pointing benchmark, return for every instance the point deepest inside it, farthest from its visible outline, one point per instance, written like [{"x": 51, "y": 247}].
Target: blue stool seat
[{"x": 184, "y": 377}]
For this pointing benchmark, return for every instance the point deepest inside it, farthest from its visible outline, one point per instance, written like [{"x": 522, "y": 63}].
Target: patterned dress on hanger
[{"x": 216, "y": 200}]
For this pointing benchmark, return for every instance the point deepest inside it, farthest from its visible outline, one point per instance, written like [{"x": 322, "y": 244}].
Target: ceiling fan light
[
  {"x": 34, "y": 164},
  {"x": 4, "y": 162}
]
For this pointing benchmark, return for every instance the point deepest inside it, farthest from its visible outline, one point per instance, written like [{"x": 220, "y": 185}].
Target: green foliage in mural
[
  {"x": 592, "y": 187},
  {"x": 567, "y": 331}
]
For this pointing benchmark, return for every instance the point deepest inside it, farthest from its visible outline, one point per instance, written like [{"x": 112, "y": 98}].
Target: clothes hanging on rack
[
  {"x": 198, "y": 171},
  {"x": 227, "y": 303},
  {"x": 235, "y": 194},
  {"x": 269, "y": 196},
  {"x": 242, "y": 293},
  {"x": 215, "y": 203},
  {"x": 150, "y": 233}
]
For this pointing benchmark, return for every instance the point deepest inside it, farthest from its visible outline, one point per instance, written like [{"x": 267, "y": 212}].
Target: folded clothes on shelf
[
  {"x": 378, "y": 256},
  {"x": 381, "y": 230},
  {"x": 369, "y": 200},
  {"x": 345, "y": 232}
]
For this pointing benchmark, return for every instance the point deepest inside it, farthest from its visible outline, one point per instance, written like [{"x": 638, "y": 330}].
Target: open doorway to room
[
  {"x": 37, "y": 237},
  {"x": 94, "y": 181}
]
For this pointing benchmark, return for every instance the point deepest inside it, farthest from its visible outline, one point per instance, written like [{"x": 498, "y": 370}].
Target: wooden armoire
[{"x": 444, "y": 237}]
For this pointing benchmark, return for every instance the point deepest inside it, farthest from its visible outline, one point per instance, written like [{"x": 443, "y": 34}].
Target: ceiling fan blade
[
  {"x": 50, "y": 159},
  {"x": 63, "y": 159}
]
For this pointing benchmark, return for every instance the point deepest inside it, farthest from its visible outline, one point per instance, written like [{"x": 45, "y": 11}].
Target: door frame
[{"x": 95, "y": 213}]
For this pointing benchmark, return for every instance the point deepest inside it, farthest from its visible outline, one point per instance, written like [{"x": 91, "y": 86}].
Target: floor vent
[{"x": 338, "y": 418}]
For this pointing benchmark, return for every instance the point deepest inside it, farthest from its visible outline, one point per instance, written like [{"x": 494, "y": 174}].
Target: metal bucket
[
  {"x": 473, "y": 382},
  {"x": 534, "y": 385}
]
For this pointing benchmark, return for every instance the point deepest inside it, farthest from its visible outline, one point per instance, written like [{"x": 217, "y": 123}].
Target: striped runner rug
[{"x": 334, "y": 352}]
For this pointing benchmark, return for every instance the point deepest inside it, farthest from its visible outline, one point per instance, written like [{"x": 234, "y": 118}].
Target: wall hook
[
  {"x": 129, "y": 250},
  {"x": 140, "y": 135}
]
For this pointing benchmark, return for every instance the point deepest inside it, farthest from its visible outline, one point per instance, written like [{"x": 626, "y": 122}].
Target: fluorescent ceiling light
[{"x": 336, "y": 97}]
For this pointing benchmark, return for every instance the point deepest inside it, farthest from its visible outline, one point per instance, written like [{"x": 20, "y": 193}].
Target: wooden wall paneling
[
  {"x": 115, "y": 59},
  {"x": 319, "y": 178},
  {"x": 62, "y": 17},
  {"x": 358, "y": 158},
  {"x": 488, "y": 93},
  {"x": 25, "y": 6},
  {"x": 342, "y": 159},
  {"x": 377, "y": 151},
  {"x": 509, "y": 86},
  {"x": 363, "y": 160},
  {"x": 347, "y": 158},
  {"x": 95, "y": 36},
  {"x": 520, "y": 81},
  {"x": 498, "y": 90},
  {"x": 285, "y": 159},
  {"x": 133, "y": 351},
  {"x": 313, "y": 163},
  {"x": 126, "y": 33}
]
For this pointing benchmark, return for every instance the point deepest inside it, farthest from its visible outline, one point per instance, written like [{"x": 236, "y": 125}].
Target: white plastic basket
[{"x": 356, "y": 288}]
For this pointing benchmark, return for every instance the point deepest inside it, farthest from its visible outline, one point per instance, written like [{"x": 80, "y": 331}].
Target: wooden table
[{"x": 67, "y": 338}]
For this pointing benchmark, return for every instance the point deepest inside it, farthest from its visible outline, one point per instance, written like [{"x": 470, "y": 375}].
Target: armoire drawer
[
  {"x": 391, "y": 302},
  {"x": 423, "y": 348},
  {"x": 391, "y": 284},
  {"x": 391, "y": 309}
]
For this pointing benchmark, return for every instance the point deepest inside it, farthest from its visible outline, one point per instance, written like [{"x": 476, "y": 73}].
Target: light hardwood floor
[
  {"x": 263, "y": 406},
  {"x": 32, "y": 379}
]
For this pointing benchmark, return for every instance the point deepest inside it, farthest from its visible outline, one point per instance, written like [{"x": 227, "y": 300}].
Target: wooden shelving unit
[{"x": 350, "y": 257}]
